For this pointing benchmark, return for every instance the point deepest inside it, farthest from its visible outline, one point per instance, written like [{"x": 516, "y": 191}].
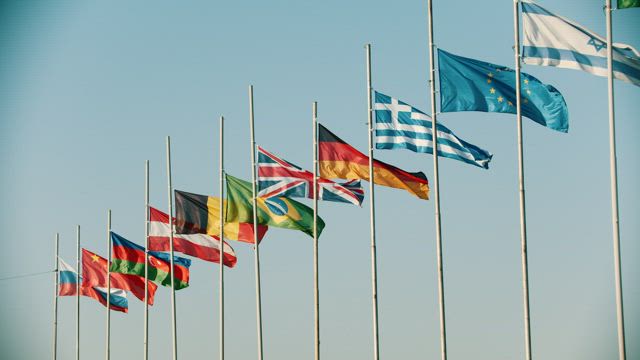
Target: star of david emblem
[{"x": 597, "y": 44}]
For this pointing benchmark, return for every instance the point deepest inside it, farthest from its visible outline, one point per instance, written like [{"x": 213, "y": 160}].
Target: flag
[
  {"x": 94, "y": 271},
  {"x": 200, "y": 214},
  {"x": 401, "y": 126},
  {"x": 201, "y": 246},
  {"x": 551, "y": 40},
  {"x": 68, "y": 280},
  {"x": 625, "y": 4},
  {"x": 473, "y": 85},
  {"x": 337, "y": 159},
  {"x": 277, "y": 177},
  {"x": 277, "y": 211},
  {"x": 128, "y": 258}
]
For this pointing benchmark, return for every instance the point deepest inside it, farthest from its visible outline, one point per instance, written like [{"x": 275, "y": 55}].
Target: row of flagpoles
[{"x": 372, "y": 129}]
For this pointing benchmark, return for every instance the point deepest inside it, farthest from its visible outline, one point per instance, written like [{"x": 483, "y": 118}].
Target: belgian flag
[
  {"x": 337, "y": 159},
  {"x": 200, "y": 214}
]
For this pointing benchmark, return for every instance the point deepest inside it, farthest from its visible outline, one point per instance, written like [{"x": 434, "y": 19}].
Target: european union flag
[{"x": 473, "y": 85}]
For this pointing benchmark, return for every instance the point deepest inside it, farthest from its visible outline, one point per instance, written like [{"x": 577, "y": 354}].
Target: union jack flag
[{"x": 277, "y": 177}]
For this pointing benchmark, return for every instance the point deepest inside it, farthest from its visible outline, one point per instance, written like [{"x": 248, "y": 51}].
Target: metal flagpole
[
  {"x": 173, "y": 289},
  {"x": 146, "y": 260},
  {"x": 372, "y": 213},
  {"x": 615, "y": 222},
  {"x": 221, "y": 282},
  {"x": 255, "y": 224},
  {"x": 108, "y": 352},
  {"x": 78, "y": 293},
  {"x": 316, "y": 291},
  {"x": 523, "y": 219},
  {"x": 436, "y": 186},
  {"x": 55, "y": 300}
]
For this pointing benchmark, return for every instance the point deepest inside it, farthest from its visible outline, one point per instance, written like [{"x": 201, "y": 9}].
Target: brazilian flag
[
  {"x": 624, "y": 4},
  {"x": 276, "y": 211}
]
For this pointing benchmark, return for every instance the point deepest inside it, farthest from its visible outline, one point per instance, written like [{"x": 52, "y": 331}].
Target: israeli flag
[
  {"x": 551, "y": 40},
  {"x": 400, "y": 126}
]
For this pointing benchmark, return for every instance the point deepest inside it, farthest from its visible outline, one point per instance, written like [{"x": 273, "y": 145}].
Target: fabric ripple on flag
[
  {"x": 401, "y": 126},
  {"x": 552, "y": 40},
  {"x": 202, "y": 246},
  {"x": 68, "y": 281},
  {"x": 277, "y": 177}
]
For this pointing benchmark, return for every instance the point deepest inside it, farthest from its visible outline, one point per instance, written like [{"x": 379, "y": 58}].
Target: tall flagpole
[
  {"x": 255, "y": 224},
  {"x": 146, "y": 260},
  {"x": 78, "y": 293},
  {"x": 108, "y": 347},
  {"x": 221, "y": 282},
  {"x": 173, "y": 289},
  {"x": 55, "y": 300},
  {"x": 372, "y": 213},
  {"x": 316, "y": 291},
  {"x": 615, "y": 222},
  {"x": 523, "y": 219},
  {"x": 436, "y": 185}
]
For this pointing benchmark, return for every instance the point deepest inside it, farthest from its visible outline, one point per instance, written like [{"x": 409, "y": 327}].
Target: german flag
[
  {"x": 200, "y": 214},
  {"x": 341, "y": 160}
]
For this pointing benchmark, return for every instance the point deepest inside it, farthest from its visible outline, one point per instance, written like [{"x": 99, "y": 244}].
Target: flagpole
[
  {"x": 221, "y": 282},
  {"x": 372, "y": 213},
  {"x": 615, "y": 222},
  {"x": 316, "y": 290},
  {"x": 108, "y": 347},
  {"x": 78, "y": 293},
  {"x": 146, "y": 260},
  {"x": 523, "y": 219},
  {"x": 255, "y": 224},
  {"x": 436, "y": 186},
  {"x": 173, "y": 289},
  {"x": 55, "y": 300}
]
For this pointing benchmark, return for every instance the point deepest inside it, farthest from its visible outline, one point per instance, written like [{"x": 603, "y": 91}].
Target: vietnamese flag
[
  {"x": 94, "y": 273},
  {"x": 128, "y": 258}
]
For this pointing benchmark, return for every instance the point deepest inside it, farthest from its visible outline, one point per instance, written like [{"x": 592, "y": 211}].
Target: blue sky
[{"x": 90, "y": 89}]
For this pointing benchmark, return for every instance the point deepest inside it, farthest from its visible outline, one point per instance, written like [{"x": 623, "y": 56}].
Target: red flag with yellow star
[{"x": 94, "y": 273}]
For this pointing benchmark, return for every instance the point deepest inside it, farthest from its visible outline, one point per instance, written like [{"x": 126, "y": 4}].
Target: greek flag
[
  {"x": 400, "y": 126},
  {"x": 551, "y": 40}
]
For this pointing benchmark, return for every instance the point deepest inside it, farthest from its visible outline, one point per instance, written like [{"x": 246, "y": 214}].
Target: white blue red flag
[{"x": 277, "y": 177}]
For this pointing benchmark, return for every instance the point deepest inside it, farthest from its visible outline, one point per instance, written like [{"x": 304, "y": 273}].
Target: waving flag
[
  {"x": 94, "y": 271},
  {"x": 277, "y": 211},
  {"x": 277, "y": 177},
  {"x": 200, "y": 214},
  {"x": 473, "y": 85},
  {"x": 68, "y": 280},
  {"x": 551, "y": 40},
  {"x": 128, "y": 258},
  {"x": 625, "y": 4},
  {"x": 401, "y": 126},
  {"x": 201, "y": 246},
  {"x": 339, "y": 160}
]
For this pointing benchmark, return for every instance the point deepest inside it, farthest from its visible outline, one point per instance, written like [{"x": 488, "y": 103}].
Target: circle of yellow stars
[{"x": 500, "y": 98}]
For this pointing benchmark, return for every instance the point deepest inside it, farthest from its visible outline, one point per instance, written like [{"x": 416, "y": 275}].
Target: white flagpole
[
  {"x": 173, "y": 289},
  {"x": 372, "y": 213},
  {"x": 316, "y": 291},
  {"x": 615, "y": 222},
  {"x": 108, "y": 347},
  {"x": 221, "y": 282},
  {"x": 78, "y": 293},
  {"x": 255, "y": 224},
  {"x": 146, "y": 260},
  {"x": 55, "y": 300},
  {"x": 436, "y": 186},
  {"x": 523, "y": 219}
]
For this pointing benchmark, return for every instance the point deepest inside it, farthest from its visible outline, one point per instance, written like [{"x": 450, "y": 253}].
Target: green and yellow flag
[
  {"x": 277, "y": 211},
  {"x": 624, "y": 4}
]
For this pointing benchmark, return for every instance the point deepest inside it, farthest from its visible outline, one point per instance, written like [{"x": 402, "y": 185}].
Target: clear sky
[{"x": 89, "y": 90}]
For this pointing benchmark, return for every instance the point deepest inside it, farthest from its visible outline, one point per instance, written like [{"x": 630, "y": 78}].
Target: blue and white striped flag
[
  {"x": 401, "y": 126},
  {"x": 551, "y": 40}
]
